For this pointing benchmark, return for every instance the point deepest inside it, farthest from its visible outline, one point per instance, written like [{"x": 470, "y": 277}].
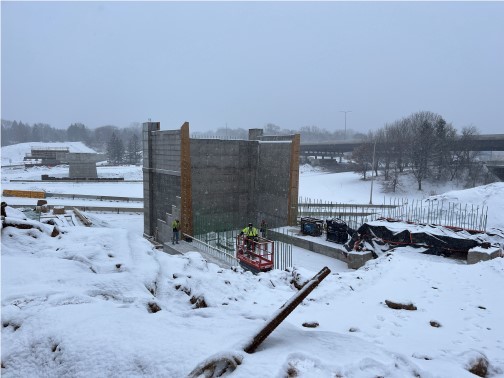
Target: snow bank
[
  {"x": 14, "y": 154},
  {"x": 491, "y": 195}
]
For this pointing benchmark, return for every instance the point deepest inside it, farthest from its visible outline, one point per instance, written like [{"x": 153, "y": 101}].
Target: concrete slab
[
  {"x": 183, "y": 247},
  {"x": 478, "y": 254},
  {"x": 179, "y": 249},
  {"x": 314, "y": 244}
]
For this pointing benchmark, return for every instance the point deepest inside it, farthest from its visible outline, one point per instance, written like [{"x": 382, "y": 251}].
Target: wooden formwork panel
[
  {"x": 24, "y": 193},
  {"x": 294, "y": 181},
  {"x": 185, "y": 181}
]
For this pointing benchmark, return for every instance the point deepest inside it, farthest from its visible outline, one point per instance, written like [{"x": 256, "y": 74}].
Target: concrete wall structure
[
  {"x": 47, "y": 156},
  {"x": 82, "y": 165},
  {"x": 217, "y": 185}
]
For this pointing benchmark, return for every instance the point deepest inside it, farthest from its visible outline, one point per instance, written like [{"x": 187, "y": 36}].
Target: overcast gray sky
[{"x": 251, "y": 63}]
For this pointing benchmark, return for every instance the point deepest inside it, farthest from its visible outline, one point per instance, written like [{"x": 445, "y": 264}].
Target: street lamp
[{"x": 345, "y": 111}]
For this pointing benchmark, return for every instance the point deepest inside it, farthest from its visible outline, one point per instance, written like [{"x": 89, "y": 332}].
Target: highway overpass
[{"x": 488, "y": 142}]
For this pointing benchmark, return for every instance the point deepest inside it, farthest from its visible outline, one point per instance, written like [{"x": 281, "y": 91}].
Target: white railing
[{"x": 224, "y": 256}]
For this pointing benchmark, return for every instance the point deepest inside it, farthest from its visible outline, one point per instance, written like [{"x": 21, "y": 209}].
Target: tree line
[
  {"x": 421, "y": 144},
  {"x": 308, "y": 133}
]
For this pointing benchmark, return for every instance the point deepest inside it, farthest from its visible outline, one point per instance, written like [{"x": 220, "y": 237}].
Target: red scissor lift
[{"x": 255, "y": 255}]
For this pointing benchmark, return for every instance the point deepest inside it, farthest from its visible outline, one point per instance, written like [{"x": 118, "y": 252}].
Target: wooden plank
[
  {"x": 292, "y": 202},
  {"x": 24, "y": 193},
  {"x": 186, "y": 215}
]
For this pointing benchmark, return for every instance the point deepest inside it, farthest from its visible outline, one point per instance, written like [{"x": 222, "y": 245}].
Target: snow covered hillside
[
  {"x": 14, "y": 154},
  {"x": 491, "y": 195}
]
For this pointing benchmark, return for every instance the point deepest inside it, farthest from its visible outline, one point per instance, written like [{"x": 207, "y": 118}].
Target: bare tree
[
  {"x": 422, "y": 143},
  {"x": 445, "y": 136},
  {"x": 363, "y": 157}
]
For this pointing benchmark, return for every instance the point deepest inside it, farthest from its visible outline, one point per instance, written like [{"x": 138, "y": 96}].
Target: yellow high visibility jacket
[{"x": 250, "y": 231}]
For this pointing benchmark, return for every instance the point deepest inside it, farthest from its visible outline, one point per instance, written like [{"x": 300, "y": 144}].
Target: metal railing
[
  {"x": 88, "y": 208},
  {"x": 222, "y": 255},
  {"x": 282, "y": 258},
  {"x": 224, "y": 243}
]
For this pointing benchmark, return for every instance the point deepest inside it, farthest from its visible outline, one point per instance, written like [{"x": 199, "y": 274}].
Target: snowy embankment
[
  {"x": 14, "y": 154},
  {"x": 349, "y": 187},
  {"x": 102, "y": 302},
  {"x": 491, "y": 195}
]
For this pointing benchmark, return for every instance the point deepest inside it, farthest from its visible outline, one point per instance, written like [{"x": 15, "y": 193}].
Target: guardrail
[
  {"x": 90, "y": 208},
  {"x": 77, "y": 181},
  {"x": 215, "y": 252},
  {"x": 42, "y": 194},
  {"x": 100, "y": 198}
]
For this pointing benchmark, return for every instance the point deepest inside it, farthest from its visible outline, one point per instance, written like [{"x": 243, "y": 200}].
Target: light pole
[{"x": 345, "y": 111}]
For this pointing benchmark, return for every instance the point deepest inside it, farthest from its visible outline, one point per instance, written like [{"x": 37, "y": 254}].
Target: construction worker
[
  {"x": 251, "y": 235},
  {"x": 176, "y": 230},
  {"x": 263, "y": 228}
]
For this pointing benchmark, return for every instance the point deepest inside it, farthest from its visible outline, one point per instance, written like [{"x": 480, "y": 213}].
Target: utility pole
[{"x": 345, "y": 111}]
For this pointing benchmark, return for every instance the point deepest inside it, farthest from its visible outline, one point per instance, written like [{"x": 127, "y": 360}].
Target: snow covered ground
[
  {"x": 14, "y": 154},
  {"x": 85, "y": 303}
]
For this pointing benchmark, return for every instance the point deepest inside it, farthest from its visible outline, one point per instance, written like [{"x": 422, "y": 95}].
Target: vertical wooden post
[
  {"x": 186, "y": 213},
  {"x": 292, "y": 203}
]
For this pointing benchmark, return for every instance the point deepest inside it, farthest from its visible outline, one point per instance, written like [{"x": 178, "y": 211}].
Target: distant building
[
  {"x": 46, "y": 156},
  {"x": 217, "y": 184},
  {"x": 81, "y": 164}
]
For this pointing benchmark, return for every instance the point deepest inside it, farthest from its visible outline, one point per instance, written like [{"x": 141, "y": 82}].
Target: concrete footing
[
  {"x": 354, "y": 260},
  {"x": 357, "y": 259},
  {"x": 478, "y": 254}
]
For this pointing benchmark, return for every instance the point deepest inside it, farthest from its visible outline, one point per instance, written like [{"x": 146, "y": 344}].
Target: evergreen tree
[
  {"x": 77, "y": 132},
  {"x": 133, "y": 154},
  {"x": 115, "y": 150},
  {"x": 101, "y": 136}
]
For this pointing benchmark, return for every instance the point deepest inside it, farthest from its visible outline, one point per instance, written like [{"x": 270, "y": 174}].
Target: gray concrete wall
[
  {"x": 161, "y": 180},
  {"x": 272, "y": 184},
  {"x": 166, "y": 152},
  {"x": 223, "y": 174},
  {"x": 82, "y": 165},
  {"x": 164, "y": 231},
  {"x": 148, "y": 128},
  {"x": 336, "y": 252}
]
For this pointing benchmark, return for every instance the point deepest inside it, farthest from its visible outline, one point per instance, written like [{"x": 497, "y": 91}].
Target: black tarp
[
  {"x": 438, "y": 239},
  {"x": 338, "y": 231}
]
